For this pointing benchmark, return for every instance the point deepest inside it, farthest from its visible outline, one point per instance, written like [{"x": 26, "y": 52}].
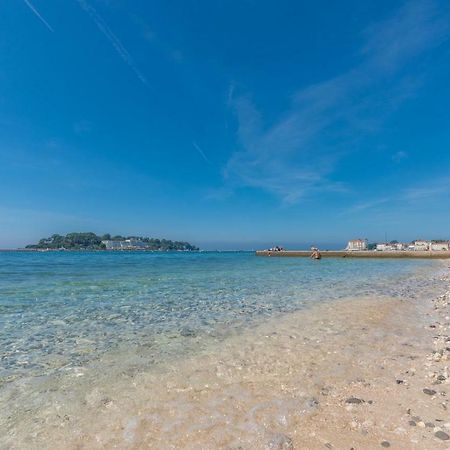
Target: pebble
[
  {"x": 412, "y": 423},
  {"x": 442, "y": 435},
  {"x": 429, "y": 391},
  {"x": 187, "y": 332},
  {"x": 354, "y": 400},
  {"x": 385, "y": 444},
  {"x": 421, "y": 424}
]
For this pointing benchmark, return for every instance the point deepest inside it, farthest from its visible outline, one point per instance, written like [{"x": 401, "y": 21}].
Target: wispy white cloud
[
  {"x": 433, "y": 189},
  {"x": 367, "y": 205},
  {"x": 38, "y": 15},
  {"x": 112, "y": 38},
  {"x": 201, "y": 152},
  {"x": 405, "y": 34},
  {"x": 297, "y": 154},
  {"x": 399, "y": 156},
  {"x": 152, "y": 38}
]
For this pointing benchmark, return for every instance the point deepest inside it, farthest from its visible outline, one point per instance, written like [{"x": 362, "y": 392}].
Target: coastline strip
[{"x": 358, "y": 254}]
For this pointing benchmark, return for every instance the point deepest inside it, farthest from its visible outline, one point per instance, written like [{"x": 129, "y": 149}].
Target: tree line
[{"x": 91, "y": 241}]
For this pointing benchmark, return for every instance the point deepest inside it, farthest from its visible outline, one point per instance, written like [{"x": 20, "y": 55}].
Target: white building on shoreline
[
  {"x": 127, "y": 244},
  {"x": 421, "y": 245},
  {"x": 356, "y": 245},
  {"x": 440, "y": 246},
  {"x": 391, "y": 247}
]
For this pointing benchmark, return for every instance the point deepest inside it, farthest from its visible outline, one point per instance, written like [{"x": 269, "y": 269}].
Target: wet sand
[{"x": 347, "y": 374}]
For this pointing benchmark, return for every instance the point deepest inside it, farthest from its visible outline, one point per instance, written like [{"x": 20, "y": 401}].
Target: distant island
[{"x": 90, "y": 241}]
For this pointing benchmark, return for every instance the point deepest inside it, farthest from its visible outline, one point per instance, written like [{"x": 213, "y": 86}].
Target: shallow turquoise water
[{"x": 67, "y": 309}]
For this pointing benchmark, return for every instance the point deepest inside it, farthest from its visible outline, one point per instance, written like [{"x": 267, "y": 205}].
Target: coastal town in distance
[
  {"x": 392, "y": 246},
  {"x": 362, "y": 248},
  {"x": 91, "y": 241}
]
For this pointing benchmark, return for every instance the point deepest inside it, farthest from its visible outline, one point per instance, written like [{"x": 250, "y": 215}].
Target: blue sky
[{"x": 231, "y": 124}]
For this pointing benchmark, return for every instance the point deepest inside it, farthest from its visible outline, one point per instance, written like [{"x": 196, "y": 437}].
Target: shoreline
[
  {"x": 358, "y": 254},
  {"x": 341, "y": 374}
]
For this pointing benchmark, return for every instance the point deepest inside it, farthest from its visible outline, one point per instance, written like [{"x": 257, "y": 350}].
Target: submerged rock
[
  {"x": 312, "y": 403},
  {"x": 187, "y": 332},
  {"x": 280, "y": 442}
]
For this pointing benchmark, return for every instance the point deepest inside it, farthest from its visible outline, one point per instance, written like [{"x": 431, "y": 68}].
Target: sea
[{"x": 72, "y": 323}]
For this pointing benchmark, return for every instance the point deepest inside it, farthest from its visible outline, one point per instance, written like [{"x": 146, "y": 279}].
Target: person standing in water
[{"x": 315, "y": 254}]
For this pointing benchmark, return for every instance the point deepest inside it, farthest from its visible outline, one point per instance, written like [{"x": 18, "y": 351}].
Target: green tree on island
[{"x": 90, "y": 241}]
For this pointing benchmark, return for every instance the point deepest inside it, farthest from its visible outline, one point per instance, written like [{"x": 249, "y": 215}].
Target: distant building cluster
[
  {"x": 394, "y": 246},
  {"x": 127, "y": 244},
  {"x": 356, "y": 245}
]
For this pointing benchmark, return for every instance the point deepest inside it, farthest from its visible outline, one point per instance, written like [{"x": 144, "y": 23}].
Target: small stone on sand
[
  {"x": 442, "y": 435},
  {"x": 429, "y": 391},
  {"x": 354, "y": 400}
]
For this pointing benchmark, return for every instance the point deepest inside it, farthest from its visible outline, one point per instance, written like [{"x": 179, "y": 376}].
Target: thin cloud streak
[
  {"x": 370, "y": 204},
  {"x": 297, "y": 154},
  {"x": 202, "y": 153},
  {"x": 112, "y": 38},
  {"x": 434, "y": 190},
  {"x": 38, "y": 15}
]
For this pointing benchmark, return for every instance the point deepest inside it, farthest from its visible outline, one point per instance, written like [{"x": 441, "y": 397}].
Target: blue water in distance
[{"x": 59, "y": 309}]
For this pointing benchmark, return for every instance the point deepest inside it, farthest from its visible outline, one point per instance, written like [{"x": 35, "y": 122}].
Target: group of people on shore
[{"x": 276, "y": 249}]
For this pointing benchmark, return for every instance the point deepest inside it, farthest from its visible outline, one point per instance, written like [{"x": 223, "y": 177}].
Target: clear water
[
  {"x": 207, "y": 350},
  {"x": 60, "y": 310}
]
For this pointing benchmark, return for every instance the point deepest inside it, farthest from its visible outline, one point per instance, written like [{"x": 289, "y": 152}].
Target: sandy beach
[{"x": 360, "y": 373}]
